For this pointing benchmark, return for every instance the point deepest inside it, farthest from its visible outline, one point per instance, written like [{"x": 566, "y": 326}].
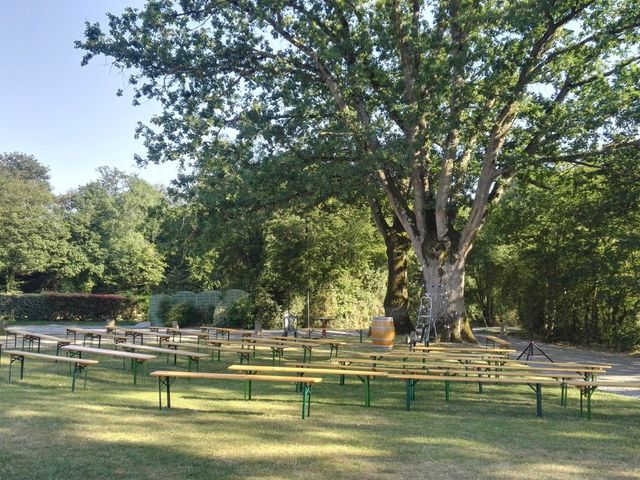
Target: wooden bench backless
[
  {"x": 167, "y": 377},
  {"x": 362, "y": 374},
  {"x": 136, "y": 358},
  {"x": 79, "y": 364}
]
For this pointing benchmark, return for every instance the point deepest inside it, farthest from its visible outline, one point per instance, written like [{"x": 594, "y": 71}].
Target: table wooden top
[
  {"x": 515, "y": 381},
  {"x": 56, "y": 358},
  {"x": 42, "y": 336},
  {"x": 108, "y": 352},
  {"x": 235, "y": 376},
  {"x": 325, "y": 371},
  {"x": 440, "y": 363},
  {"x": 146, "y": 348}
]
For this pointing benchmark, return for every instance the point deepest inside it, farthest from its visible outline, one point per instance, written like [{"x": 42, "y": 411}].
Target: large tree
[
  {"x": 33, "y": 237},
  {"x": 435, "y": 104}
]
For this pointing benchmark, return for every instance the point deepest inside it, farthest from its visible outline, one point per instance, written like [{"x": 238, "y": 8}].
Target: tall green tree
[
  {"x": 436, "y": 105},
  {"x": 114, "y": 222},
  {"x": 562, "y": 253},
  {"x": 33, "y": 237}
]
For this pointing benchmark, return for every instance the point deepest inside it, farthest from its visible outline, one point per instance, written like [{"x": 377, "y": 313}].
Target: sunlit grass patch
[{"x": 114, "y": 429}]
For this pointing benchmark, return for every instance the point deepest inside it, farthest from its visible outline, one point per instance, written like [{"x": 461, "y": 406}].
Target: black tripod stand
[{"x": 533, "y": 349}]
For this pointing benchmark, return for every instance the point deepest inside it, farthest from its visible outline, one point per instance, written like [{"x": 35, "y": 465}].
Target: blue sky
[{"x": 66, "y": 115}]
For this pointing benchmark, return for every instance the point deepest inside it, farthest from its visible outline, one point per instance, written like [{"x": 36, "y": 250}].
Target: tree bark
[
  {"x": 444, "y": 283},
  {"x": 396, "y": 301}
]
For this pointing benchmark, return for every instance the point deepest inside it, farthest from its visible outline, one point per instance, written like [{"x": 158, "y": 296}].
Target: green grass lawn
[{"x": 114, "y": 430}]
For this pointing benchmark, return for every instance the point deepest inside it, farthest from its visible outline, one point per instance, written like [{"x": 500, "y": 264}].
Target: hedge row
[{"x": 77, "y": 307}]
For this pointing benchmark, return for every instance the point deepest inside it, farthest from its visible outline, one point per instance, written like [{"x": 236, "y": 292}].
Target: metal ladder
[{"x": 425, "y": 324}]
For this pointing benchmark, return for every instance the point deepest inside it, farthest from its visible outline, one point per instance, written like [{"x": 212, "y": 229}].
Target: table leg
[{"x": 538, "y": 400}]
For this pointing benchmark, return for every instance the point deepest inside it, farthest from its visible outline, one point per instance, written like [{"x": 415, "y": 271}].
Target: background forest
[{"x": 560, "y": 256}]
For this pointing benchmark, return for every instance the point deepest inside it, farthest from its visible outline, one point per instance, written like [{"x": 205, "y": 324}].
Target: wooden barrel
[{"x": 382, "y": 332}]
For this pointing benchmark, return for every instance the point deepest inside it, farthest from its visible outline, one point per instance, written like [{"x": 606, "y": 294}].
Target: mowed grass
[{"x": 114, "y": 430}]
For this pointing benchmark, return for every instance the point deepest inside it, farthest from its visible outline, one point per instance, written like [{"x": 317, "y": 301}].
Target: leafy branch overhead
[{"x": 437, "y": 105}]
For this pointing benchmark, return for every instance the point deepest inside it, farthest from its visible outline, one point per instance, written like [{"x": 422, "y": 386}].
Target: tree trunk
[
  {"x": 444, "y": 283},
  {"x": 396, "y": 301}
]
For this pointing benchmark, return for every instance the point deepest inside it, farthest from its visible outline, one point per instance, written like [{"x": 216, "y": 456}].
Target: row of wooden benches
[{"x": 483, "y": 374}]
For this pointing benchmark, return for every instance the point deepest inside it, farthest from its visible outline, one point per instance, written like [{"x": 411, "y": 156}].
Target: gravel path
[{"x": 623, "y": 365}]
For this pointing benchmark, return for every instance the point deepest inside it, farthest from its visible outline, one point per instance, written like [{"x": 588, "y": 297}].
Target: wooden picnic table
[
  {"x": 277, "y": 346},
  {"x": 192, "y": 357},
  {"x": 587, "y": 371},
  {"x": 92, "y": 334},
  {"x": 219, "y": 346},
  {"x": 220, "y": 331},
  {"x": 413, "y": 378},
  {"x": 436, "y": 348},
  {"x": 32, "y": 337},
  {"x": 135, "y": 333},
  {"x": 136, "y": 358},
  {"x": 363, "y": 375},
  {"x": 332, "y": 343}
]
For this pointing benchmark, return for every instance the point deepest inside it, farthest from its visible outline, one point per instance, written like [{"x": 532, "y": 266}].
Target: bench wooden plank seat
[
  {"x": 535, "y": 383},
  {"x": 167, "y": 377},
  {"x": 137, "y": 359},
  {"x": 218, "y": 346},
  {"x": 79, "y": 364},
  {"x": 363, "y": 375},
  {"x": 192, "y": 357}
]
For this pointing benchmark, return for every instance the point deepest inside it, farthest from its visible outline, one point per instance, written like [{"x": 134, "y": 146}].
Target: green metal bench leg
[
  {"x": 538, "y": 400},
  {"x": 135, "y": 372},
  {"x": 306, "y": 401},
  {"x": 589, "y": 393},
  {"x": 367, "y": 391},
  {"x": 73, "y": 381},
  {"x": 447, "y": 390},
  {"x": 408, "y": 401}
]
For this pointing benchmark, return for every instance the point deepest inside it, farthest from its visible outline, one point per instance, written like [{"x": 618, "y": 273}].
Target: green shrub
[
  {"x": 627, "y": 337},
  {"x": 185, "y": 314},
  {"x": 266, "y": 309},
  {"x": 76, "y": 307},
  {"x": 239, "y": 313}
]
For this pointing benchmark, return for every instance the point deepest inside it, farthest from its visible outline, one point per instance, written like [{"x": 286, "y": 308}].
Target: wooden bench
[
  {"x": 91, "y": 335},
  {"x": 167, "y": 377},
  {"x": 496, "y": 341},
  {"x": 588, "y": 387},
  {"x": 218, "y": 346},
  {"x": 535, "y": 383},
  {"x": 363, "y": 375},
  {"x": 32, "y": 337},
  {"x": 192, "y": 357},
  {"x": 80, "y": 365},
  {"x": 334, "y": 345},
  {"x": 136, "y": 358},
  {"x": 135, "y": 333},
  {"x": 435, "y": 348}
]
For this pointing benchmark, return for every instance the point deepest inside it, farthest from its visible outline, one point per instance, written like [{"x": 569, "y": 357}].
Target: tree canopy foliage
[{"x": 434, "y": 105}]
